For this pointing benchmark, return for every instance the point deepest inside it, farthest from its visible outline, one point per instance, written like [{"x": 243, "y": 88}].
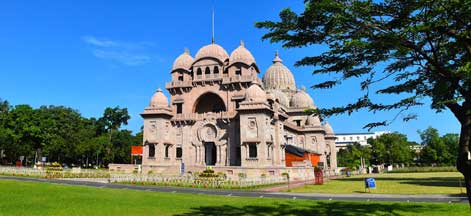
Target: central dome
[
  {"x": 278, "y": 76},
  {"x": 212, "y": 51}
]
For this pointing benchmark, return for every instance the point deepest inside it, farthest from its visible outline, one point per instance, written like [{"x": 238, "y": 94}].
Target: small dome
[
  {"x": 255, "y": 94},
  {"x": 328, "y": 129},
  {"x": 213, "y": 51},
  {"x": 278, "y": 76},
  {"x": 159, "y": 100},
  {"x": 280, "y": 96},
  {"x": 183, "y": 61},
  {"x": 313, "y": 120},
  {"x": 301, "y": 100},
  {"x": 241, "y": 54}
]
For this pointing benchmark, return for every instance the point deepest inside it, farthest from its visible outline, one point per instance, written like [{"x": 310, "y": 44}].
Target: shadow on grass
[
  {"x": 434, "y": 181},
  {"x": 319, "y": 208}
]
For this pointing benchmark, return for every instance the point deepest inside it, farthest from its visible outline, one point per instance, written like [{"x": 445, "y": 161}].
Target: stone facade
[{"x": 221, "y": 114}]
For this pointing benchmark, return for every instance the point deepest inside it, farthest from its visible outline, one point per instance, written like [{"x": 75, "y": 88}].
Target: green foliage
[
  {"x": 416, "y": 169},
  {"x": 391, "y": 149},
  {"x": 62, "y": 134},
  {"x": 412, "y": 49},
  {"x": 438, "y": 150},
  {"x": 352, "y": 155}
]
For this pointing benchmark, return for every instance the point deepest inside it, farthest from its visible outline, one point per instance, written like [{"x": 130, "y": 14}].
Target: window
[
  {"x": 179, "y": 108},
  {"x": 269, "y": 151},
  {"x": 253, "y": 150},
  {"x": 199, "y": 72},
  {"x": 358, "y": 138},
  {"x": 237, "y": 103},
  {"x": 151, "y": 150},
  {"x": 179, "y": 152},
  {"x": 180, "y": 77},
  {"x": 216, "y": 69},
  {"x": 207, "y": 72},
  {"x": 167, "y": 149},
  {"x": 238, "y": 71},
  {"x": 298, "y": 123}
]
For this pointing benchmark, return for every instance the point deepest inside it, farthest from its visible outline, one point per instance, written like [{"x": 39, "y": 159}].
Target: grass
[
  {"x": 393, "y": 183},
  {"x": 32, "y": 198}
]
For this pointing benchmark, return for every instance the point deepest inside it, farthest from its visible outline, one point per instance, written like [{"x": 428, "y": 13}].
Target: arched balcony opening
[
  {"x": 207, "y": 73},
  {"x": 209, "y": 102}
]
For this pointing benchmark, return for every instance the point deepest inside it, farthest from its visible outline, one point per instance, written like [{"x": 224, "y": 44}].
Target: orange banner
[{"x": 136, "y": 150}]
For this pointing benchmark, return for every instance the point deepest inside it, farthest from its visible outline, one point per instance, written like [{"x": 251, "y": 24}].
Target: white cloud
[
  {"x": 97, "y": 42},
  {"x": 127, "y": 53},
  {"x": 123, "y": 57}
]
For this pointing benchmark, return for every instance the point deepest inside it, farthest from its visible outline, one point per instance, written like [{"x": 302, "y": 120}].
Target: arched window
[
  {"x": 167, "y": 148},
  {"x": 207, "y": 72},
  {"x": 216, "y": 71},
  {"x": 151, "y": 150},
  {"x": 199, "y": 73}
]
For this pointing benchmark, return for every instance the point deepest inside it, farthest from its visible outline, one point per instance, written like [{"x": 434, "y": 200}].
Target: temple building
[{"x": 221, "y": 114}]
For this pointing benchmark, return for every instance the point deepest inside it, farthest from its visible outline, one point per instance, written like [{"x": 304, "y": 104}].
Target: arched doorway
[
  {"x": 209, "y": 102},
  {"x": 210, "y": 153}
]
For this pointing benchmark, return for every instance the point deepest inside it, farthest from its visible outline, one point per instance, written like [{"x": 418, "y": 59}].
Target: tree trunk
[{"x": 464, "y": 161}]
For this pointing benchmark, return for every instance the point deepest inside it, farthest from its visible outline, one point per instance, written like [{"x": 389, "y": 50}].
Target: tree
[
  {"x": 112, "y": 119},
  {"x": 352, "y": 156},
  {"x": 4, "y": 132},
  {"x": 438, "y": 150},
  {"x": 391, "y": 148},
  {"x": 413, "y": 49}
]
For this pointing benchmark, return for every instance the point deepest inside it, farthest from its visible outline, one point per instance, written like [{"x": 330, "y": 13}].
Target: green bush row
[{"x": 424, "y": 169}]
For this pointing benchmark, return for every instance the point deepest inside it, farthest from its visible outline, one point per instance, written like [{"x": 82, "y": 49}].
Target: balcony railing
[
  {"x": 202, "y": 116},
  {"x": 177, "y": 84},
  {"x": 236, "y": 79}
]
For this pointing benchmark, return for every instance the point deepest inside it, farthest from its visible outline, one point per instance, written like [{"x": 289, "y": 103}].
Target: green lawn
[
  {"x": 28, "y": 198},
  {"x": 393, "y": 183}
]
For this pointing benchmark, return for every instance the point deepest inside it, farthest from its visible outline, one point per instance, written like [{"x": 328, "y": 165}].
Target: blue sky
[{"x": 90, "y": 55}]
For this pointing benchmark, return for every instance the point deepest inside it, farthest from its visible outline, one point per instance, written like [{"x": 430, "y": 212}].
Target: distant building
[{"x": 344, "y": 139}]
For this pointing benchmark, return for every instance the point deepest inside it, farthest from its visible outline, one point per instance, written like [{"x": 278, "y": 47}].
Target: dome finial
[
  {"x": 242, "y": 43},
  {"x": 277, "y": 57},
  {"x": 186, "y": 51},
  {"x": 303, "y": 88},
  {"x": 159, "y": 89}
]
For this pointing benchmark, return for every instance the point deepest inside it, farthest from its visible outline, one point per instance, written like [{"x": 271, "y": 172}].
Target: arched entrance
[
  {"x": 209, "y": 102},
  {"x": 210, "y": 153}
]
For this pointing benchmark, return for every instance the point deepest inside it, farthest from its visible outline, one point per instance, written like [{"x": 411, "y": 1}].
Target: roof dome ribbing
[
  {"x": 212, "y": 51},
  {"x": 278, "y": 76},
  {"x": 301, "y": 100},
  {"x": 280, "y": 96},
  {"x": 183, "y": 61},
  {"x": 159, "y": 100},
  {"x": 242, "y": 54},
  {"x": 255, "y": 94}
]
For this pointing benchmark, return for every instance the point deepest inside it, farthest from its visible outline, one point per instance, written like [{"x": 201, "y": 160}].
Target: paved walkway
[{"x": 261, "y": 194}]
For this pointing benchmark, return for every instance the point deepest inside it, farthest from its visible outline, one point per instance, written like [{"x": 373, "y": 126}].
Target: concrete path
[{"x": 260, "y": 194}]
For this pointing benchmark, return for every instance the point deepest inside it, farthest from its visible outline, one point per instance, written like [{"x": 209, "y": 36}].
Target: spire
[
  {"x": 212, "y": 26},
  {"x": 277, "y": 57}
]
